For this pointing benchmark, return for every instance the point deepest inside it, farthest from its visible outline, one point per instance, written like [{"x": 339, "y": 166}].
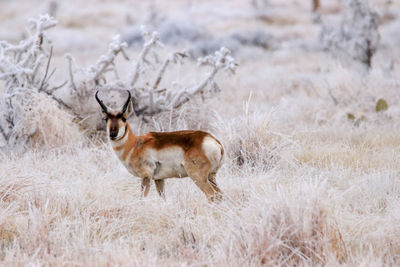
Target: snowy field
[{"x": 312, "y": 169}]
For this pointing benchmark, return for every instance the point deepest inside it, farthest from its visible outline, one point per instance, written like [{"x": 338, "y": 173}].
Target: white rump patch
[{"x": 212, "y": 149}]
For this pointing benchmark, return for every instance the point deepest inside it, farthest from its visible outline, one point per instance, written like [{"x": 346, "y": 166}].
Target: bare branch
[
  {"x": 175, "y": 57},
  {"x": 105, "y": 61},
  {"x": 151, "y": 42},
  {"x": 220, "y": 60},
  {"x": 62, "y": 103},
  {"x": 47, "y": 69},
  {"x": 71, "y": 75},
  {"x": 57, "y": 87}
]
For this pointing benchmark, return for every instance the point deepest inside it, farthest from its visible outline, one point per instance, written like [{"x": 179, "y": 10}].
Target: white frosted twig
[
  {"x": 102, "y": 66},
  {"x": 47, "y": 70},
  {"x": 20, "y": 63},
  {"x": 152, "y": 40},
  {"x": 357, "y": 37},
  {"x": 174, "y": 57},
  {"x": 70, "y": 73},
  {"x": 44, "y": 22},
  {"x": 220, "y": 60},
  {"x": 156, "y": 101},
  {"x": 82, "y": 88}
]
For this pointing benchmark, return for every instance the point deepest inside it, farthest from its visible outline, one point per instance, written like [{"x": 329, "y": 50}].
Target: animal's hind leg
[
  {"x": 206, "y": 187},
  {"x": 213, "y": 182},
  {"x": 198, "y": 170},
  {"x": 160, "y": 187}
]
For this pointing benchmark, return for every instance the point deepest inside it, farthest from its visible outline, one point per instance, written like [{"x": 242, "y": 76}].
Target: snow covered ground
[{"x": 312, "y": 170}]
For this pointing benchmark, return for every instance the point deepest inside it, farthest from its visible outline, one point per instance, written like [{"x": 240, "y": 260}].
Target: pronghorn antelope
[{"x": 160, "y": 155}]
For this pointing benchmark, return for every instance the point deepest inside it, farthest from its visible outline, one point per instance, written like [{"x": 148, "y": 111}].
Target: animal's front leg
[
  {"x": 145, "y": 186},
  {"x": 143, "y": 170},
  {"x": 160, "y": 187}
]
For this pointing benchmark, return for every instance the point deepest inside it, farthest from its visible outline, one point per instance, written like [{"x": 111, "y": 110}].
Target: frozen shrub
[
  {"x": 148, "y": 99},
  {"x": 28, "y": 110},
  {"x": 252, "y": 142},
  {"x": 25, "y": 70},
  {"x": 357, "y": 35},
  {"x": 39, "y": 122}
]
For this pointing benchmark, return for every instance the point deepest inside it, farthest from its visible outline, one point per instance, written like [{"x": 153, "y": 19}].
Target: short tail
[{"x": 222, "y": 150}]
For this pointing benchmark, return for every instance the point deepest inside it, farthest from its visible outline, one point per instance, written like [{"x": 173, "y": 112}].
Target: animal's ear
[
  {"x": 105, "y": 114},
  {"x": 129, "y": 110}
]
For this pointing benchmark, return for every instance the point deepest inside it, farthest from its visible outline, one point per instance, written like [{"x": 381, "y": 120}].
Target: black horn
[
  {"x": 101, "y": 103},
  {"x": 127, "y": 102}
]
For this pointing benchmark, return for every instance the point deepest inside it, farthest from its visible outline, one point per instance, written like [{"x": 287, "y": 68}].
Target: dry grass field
[{"x": 311, "y": 174}]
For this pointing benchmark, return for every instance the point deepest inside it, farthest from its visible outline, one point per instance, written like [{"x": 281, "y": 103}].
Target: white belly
[{"x": 168, "y": 162}]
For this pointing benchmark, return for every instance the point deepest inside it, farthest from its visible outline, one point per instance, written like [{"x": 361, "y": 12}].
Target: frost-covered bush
[
  {"x": 147, "y": 98},
  {"x": 28, "y": 110},
  {"x": 357, "y": 35},
  {"x": 251, "y": 141},
  {"x": 38, "y": 121},
  {"x": 25, "y": 68}
]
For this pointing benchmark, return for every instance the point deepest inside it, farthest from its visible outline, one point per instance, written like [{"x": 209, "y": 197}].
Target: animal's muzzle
[{"x": 113, "y": 135}]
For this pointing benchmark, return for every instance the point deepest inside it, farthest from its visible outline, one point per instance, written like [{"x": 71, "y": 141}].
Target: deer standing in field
[{"x": 161, "y": 155}]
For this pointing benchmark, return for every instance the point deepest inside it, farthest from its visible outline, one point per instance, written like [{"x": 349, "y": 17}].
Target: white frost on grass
[
  {"x": 311, "y": 211},
  {"x": 329, "y": 195}
]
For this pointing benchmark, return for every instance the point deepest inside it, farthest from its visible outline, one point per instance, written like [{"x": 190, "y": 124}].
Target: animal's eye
[{"x": 123, "y": 119}]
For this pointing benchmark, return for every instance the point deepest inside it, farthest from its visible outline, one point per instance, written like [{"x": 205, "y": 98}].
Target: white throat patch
[{"x": 121, "y": 132}]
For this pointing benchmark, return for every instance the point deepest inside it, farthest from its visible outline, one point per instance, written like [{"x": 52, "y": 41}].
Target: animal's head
[{"x": 116, "y": 119}]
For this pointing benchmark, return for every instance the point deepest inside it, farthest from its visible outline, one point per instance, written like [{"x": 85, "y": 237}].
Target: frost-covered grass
[
  {"x": 330, "y": 197},
  {"x": 305, "y": 183}
]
